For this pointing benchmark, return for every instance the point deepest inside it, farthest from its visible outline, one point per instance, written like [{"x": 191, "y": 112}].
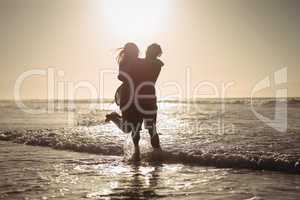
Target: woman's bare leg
[
  {"x": 134, "y": 128},
  {"x": 135, "y": 134},
  {"x": 119, "y": 122}
]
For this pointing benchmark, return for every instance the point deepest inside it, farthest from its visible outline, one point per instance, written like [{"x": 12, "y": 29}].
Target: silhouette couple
[{"x": 136, "y": 96}]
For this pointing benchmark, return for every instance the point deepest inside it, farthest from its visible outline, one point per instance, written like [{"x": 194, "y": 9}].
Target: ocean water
[{"x": 235, "y": 149}]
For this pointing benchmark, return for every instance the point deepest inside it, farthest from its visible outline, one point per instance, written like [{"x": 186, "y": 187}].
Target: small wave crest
[
  {"x": 273, "y": 161},
  {"x": 218, "y": 157},
  {"x": 289, "y": 102},
  {"x": 86, "y": 141},
  {"x": 78, "y": 139}
]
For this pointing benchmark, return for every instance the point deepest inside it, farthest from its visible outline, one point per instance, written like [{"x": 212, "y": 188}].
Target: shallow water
[
  {"x": 43, "y": 173},
  {"x": 196, "y": 138}
]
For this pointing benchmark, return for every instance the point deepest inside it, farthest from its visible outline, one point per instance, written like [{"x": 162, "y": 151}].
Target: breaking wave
[
  {"x": 76, "y": 139},
  {"x": 86, "y": 140}
]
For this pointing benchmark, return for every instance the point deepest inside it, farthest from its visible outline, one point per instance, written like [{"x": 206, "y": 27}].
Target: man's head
[{"x": 153, "y": 51}]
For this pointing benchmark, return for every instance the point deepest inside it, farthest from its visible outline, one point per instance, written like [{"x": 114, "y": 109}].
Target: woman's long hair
[{"x": 129, "y": 51}]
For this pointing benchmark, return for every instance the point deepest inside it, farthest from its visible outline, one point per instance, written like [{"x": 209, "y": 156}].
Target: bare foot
[
  {"x": 155, "y": 141},
  {"x": 136, "y": 154}
]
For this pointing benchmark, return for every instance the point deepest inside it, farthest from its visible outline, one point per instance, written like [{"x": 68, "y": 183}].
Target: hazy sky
[{"x": 215, "y": 41}]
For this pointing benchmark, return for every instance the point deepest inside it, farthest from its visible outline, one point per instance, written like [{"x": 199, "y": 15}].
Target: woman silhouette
[
  {"x": 128, "y": 72},
  {"x": 136, "y": 96}
]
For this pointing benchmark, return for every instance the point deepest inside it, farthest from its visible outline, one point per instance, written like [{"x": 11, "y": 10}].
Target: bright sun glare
[{"x": 135, "y": 20}]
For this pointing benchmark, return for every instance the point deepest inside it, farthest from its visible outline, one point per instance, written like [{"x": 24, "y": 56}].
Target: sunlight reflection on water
[{"x": 44, "y": 173}]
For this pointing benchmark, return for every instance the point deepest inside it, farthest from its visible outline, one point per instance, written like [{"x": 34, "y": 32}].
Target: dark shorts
[
  {"x": 148, "y": 112},
  {"x": 135, "y": 117},
  {"x": 136, "y": 112},
  {"x": 150, "y": 120}
]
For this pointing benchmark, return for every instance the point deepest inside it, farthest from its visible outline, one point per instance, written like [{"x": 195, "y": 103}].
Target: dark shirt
[
  {"x": 139, "y": 78},
  {"x": 148, "y": 75}
]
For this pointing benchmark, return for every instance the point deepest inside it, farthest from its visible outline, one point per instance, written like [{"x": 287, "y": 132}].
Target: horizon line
[{"x": 183, "y": 99}]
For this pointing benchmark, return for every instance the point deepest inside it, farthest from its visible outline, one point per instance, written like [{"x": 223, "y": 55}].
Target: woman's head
[
  {"x": 153, "y": 51},
  {"x": 128, "y": 52}
]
